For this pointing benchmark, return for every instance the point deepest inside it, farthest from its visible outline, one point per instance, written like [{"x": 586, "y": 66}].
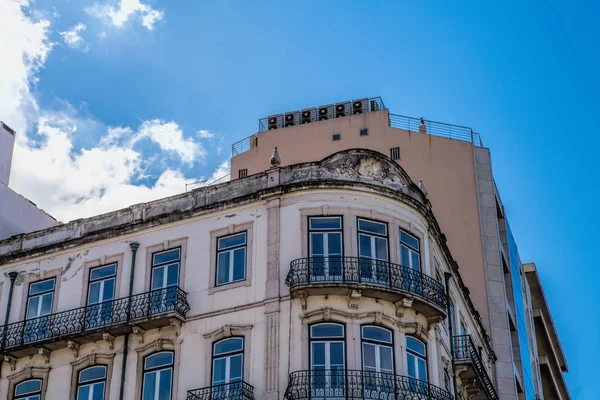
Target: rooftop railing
[
  {"x": 466, "y": 351},
  {"x": 434, "y": 128},
  {"x": 356, "y": 384},
  {"x": 229, "y": 391}
]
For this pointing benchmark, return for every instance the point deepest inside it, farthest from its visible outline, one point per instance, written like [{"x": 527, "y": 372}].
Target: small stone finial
[
  {"x": 422, "y": 187},
  {"x": 275, "y": 159}
]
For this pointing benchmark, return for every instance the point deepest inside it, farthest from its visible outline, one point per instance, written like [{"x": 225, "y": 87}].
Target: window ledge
[{"x": 214, "y": 289}]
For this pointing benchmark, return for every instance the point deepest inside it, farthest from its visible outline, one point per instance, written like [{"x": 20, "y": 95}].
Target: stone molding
[
  {"x": 28, "y": 373},
  {"x": 88, "y": 361},
  {"x": 228, "y": 331}
]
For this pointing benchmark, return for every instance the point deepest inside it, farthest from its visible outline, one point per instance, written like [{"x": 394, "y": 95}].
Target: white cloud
[
  {"x": 73, "y": 39},
  {"x": 205, "y": 134},
  {"x": 170, "y": 138},
  {"x": 124, "y": 11}
]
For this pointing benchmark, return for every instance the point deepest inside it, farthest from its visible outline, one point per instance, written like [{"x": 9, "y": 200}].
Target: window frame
[
  {"x": 166, "y": 264},
  {"x": 80, "y": 384},
  {"x": 377, "y": 342},
  {"x": 29, "y": 297},
  {"x": 386, "y": 236},
  {"x": 159, "y": 368},
  {"x": 418, "y": 356},
  {"x": 410, "y": 248},
  {"x": 90, "y": 281},
  {"x": 310, "y": 231},
  {"x": 327, "y": 338},
  {"x": 224, "y": 355},
  {"x": 26, "y": 396},
  {"x": 231, "y": 249}
]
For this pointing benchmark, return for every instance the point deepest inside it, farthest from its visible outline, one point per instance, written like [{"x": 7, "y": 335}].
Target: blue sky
[{"x": 525, "y": 77}]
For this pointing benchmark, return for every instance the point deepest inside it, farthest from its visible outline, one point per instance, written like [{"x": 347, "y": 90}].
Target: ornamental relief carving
[{"x": 355, "y": 166}]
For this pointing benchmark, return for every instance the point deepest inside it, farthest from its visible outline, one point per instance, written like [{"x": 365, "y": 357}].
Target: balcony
[
  {"x": 148, "y": 310},
  {"x": 372, "y": 278},
  {"x": 349, "y": 384},
  {"x": 470, "y": 368},
  {"x": 229, "y": 391}
]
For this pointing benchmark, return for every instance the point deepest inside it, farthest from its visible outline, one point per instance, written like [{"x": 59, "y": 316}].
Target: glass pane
[
  {"x": 43, "y": 286},
  {"x": 46, "y": 304},
  {"x": 219, "y": 369},
  {"x": 327, "y": 330},
  {"x": 164, "y": 391},
  {"x": 98, "y": 389},
  {"x": 372, "y": 227},
  {"x": 30, "y": 386},
  {"x": 376, "y": 333},
  {"x": 223, "y": 267},
  {"x": 93, "y": 373},
  {"x": 404, "y": 256},
  {"x": 232, "y": 241},
  {"x": 334, "y": 244},
  {"x": 318, "y": 354},
  {"x": 109, "y": 290},
  {"x": 149, "y": 386},
  {"x": 159, "y": 359},
  {"x": 336, "y": 353},
  {"x": 103, "y": 272},
  {"x": 173, "y": 274},
  {"x": 239, "y": 264},
  {"x": 409, "y": 240},
  {"x": 94, "y": 295},
  {"x": 166, "y": 256},
  {"x": 32, "y": 307},
  {"x": 381, "y": 249},
  {"x": 158, "y": 278},
  {"x": 325, "y": 223},
  {"x": 422, "y": 369},
  {"x": 83, "y": 393},
  {"x": 385, "y": 359},
  {"x": 416, "y": 264},
  {"x": 235, "y": 368},
  {"x": 369, "y": 355},
  {"x": 415, "y": 345},
  {"x": 411, "y": 366},
  {"x": 228, "y": 346},
  {"x": 364, "y": 246},
  {"x": 317, "y": 246}
]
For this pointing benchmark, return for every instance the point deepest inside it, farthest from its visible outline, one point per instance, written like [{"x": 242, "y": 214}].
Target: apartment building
[
  {"x": 17, "y": 214},
  {"x": 325, "y": 270}
]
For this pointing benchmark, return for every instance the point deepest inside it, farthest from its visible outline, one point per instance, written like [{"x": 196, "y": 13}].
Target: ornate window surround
[
  {"x": 101, "y": 262},
  {"x": 166, "y": 245},
  {"x": 154, "y": 347},
  {"x": 34, "y": 278},
  {"x": 88, "y": 361},
  {"x": 227, "y": 331},
  {"x": 25, "y": 374}
]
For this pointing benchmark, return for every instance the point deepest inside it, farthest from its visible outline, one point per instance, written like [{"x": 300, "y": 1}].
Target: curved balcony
[
  {"x": 374, "y": 278},
  {"x": 228, "y": 391},
  {"x": 148, "y": 310},
  {"x": 469, "y": 366},
  {"x": 350, "y": 384}
]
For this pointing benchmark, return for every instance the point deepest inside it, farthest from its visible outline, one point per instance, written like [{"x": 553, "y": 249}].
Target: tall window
[
  {"x": 327, "y": 359},
  {"x": 158, "y": 376},
  {"x": 231, "y": 258},
  {"x": 373, "y": 251},
  {"x": 29, "y": 390},
  {"x": 416, "y": 357},
  {"x": 91, "y": 383},
  {"x": 410, "y": 254},
  {"x": 228, "y": 361},
  {"x": 101, "y": 290},
  {"x": 325, "y": 248},
  {"x": 39, "y": 307},
  {"x": 378, "y": 359},
  {"x": 165, "y": 269}
]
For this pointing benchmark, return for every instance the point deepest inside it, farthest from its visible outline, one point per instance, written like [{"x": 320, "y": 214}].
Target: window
[
  {"x": 336, "y": 136},
  {"x": 377, "y": 359},
  {"x": 243, "y": 173},
  {"x": 325, "y": 242},
  {"x": 231, "y": 259},
  {"x": 39, "y": 306},
  {"x": 364, "y": 132},
  {"x": 165, "y": 269},
  {"x": 91, "y": 383},
  {"x": 409, "y": 251},
  {"x": 29, "y": 390},
  {"x": 416, "y": 358},
  {"x": 395, "y": 153},
  {"x": 373, "y": 251},
  {"x": 158, "y": 376},
  {"x": 447, "y": 382},
  {"x": 327, "y": 358},
  {"x": 228, "y": 361},
  {"x": 101, "y": 290}
]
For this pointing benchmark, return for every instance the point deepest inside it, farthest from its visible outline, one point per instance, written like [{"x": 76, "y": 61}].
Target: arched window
[
  {"x": 416, "y": 357},
  {"x": 327, "y": 356},
  {"x": 91, "y": 383},
  {"x": 228, "y": 361},
  {"x": 29, "y": 390},
  {"x": 158, "y": 376},
  {"x": 377, "y": 349}
]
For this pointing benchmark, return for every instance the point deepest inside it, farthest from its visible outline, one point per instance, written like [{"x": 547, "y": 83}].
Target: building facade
[
  {"x": 323, "y": 275},
  {"x": 17, "y": 214}
]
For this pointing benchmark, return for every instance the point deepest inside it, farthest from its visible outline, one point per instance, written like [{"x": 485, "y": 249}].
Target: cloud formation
[
  {"x": 73, "y": 39},
  {"x": 124, "y": 10}
]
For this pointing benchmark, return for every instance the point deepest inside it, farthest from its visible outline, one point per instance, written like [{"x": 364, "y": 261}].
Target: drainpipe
[
  {"x": 134, "y": 247},
  {"x": 447, "y": 276},
  {"x": 13, "y": 276}
]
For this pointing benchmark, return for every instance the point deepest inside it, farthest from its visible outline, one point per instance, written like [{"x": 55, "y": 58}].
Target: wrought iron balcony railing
[
  {"x": 229, "y": 391},
  {"x": 465, "y": 351},
  {"x": 351, "y": 384},
  {"x": 343, "y": 271},
  {"x": 97, "y": 317}
]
